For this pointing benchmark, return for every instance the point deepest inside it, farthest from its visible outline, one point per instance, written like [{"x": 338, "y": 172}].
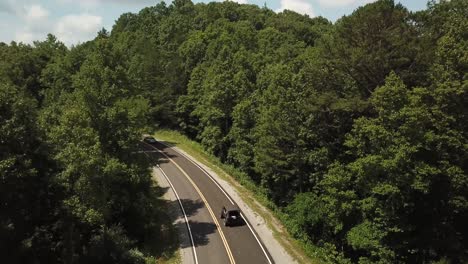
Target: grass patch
[{"x": 252, "y": 194}]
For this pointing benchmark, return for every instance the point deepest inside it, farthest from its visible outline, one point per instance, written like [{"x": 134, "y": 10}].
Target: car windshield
[{"x": 234, "y": 213}]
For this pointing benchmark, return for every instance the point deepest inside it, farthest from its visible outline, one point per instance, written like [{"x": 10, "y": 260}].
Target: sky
[{"x": 77, "y": 21}]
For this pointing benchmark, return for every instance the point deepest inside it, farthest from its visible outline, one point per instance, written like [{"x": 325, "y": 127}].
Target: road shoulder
[{"x": 177, "y": 217}]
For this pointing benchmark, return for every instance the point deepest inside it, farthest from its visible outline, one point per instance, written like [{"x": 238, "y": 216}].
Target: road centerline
[
  {"x": 213, "y": 216},
  {"x": 204, "y": 171},
  {"x": 227, "y": 196}
]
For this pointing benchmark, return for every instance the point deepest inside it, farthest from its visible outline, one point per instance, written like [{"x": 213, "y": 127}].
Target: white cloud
[
  {"x": 72, "y": 29},
  {"x": 22, "y": 10},
  {"x": 300, "y": 6},
  {"x": 343, "y": 3},
  {"x": 35, "y": 20},
  {"x": 240, "y": 1},
  {"x": 29, "y": 20},
  {"x": 95, "y": 3},
  {"x": 6, "y": 7},
  {"x": 25, "y": 36},
  {"x": 36, "y": 13}
]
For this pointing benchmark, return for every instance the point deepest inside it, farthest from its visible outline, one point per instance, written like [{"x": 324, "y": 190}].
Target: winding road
[{"x": 201, "y": 199}]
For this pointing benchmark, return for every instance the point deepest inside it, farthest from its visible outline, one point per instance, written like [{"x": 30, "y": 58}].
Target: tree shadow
[
  {"x": 170, "y": 143},
  {"x": 200, "y": 230},
  {"x": 200, "y": 233},
  {"x": 151, "y": 154},
  {"x": 161, "y": 236},
  {"x": 160, "y": 191},
  {"x": 163, "y": 145},
  {"x": 154, "y": 156},
  {"x": 190, "y": 207}
]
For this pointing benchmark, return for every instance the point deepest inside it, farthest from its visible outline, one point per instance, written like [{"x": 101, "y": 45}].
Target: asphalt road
[{"x": 202, "y": 200}]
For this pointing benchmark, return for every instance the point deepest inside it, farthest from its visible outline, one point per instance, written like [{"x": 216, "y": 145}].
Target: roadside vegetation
[
  {"x": 356, "y": 132},
  {"x": 252, "y": 194}
]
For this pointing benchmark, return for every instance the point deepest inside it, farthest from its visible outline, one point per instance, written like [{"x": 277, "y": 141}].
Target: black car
[
  {"x": 231, "y": 216},
  {"x": 149, "y": 140}
]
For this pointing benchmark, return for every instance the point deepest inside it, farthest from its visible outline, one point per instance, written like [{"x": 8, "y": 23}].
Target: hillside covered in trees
[{"x": 357, "y": 131}]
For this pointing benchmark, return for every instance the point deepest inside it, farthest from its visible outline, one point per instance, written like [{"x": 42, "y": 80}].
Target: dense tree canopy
[{"x": 355, "y": 130}]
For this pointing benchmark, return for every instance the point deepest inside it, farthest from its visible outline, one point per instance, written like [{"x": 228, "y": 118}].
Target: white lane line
[
  {"x": 256, "y": 238},
  {"x": 183, "y": 211},
  {"x": 204, "y": 171},
  {"x": 229, "y": 198},
  {"x": 213, "y": 216}
]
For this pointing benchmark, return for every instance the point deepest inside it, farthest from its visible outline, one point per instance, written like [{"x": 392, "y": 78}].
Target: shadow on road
[
  {"x": 149, "y": 156},
  {"x": 170, "y": 143},
  {"x": 200, "y": 232},
  {"x": 191, "y": 207}
]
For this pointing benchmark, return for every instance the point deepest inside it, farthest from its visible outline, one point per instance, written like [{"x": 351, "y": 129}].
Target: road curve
[{"x": 202, "y": 200}]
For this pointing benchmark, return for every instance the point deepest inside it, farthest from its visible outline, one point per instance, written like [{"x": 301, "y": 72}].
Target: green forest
[{"x": 356, "y": 130}]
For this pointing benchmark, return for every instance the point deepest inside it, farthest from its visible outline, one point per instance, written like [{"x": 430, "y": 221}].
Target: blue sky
[{"x": 75, "y": 21}]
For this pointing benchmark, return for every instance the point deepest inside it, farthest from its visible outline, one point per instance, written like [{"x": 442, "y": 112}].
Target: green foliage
[
  {"x": 355, "y": 130},
  {"x": 70, "y": 184},
  {"x": 306, "y": 213},
  {"x": 30, "y": 214},
  {"x": 110, "y": 245},
  {"x": 351, "y": 119},
  {"x": 373, "y": 41}
]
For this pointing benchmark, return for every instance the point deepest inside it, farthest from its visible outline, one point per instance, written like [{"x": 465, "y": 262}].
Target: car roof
[{"x": 231, "y": 208}]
